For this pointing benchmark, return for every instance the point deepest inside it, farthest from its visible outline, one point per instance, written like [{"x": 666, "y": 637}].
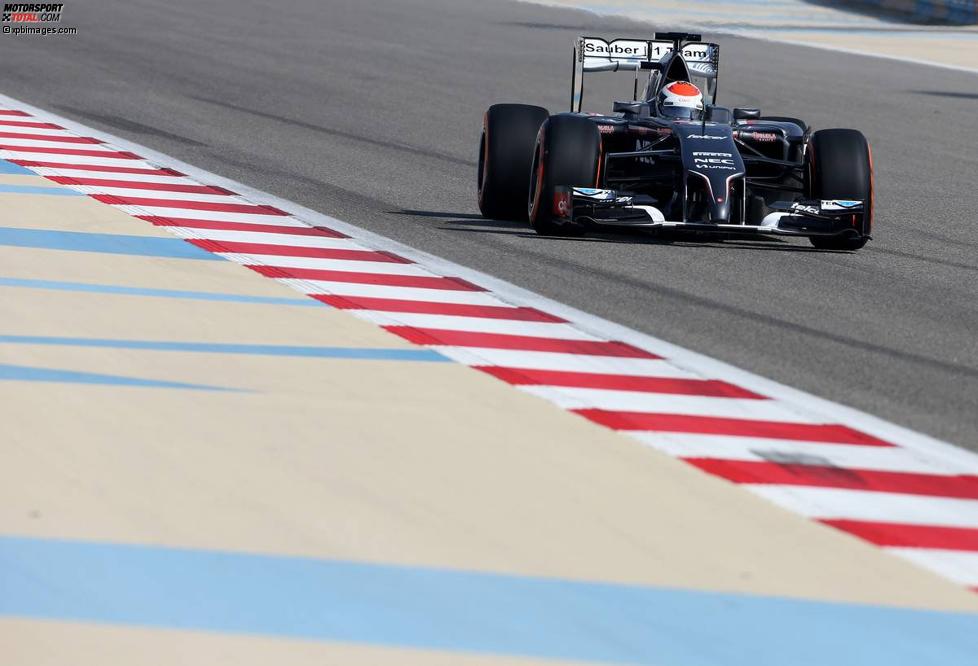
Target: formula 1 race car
[{"x": 671, "y": 158}]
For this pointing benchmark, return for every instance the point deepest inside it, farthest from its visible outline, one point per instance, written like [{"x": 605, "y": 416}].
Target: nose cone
[
  {"x": 711, "y": 158},
  {"x": 720, "y": 207}
]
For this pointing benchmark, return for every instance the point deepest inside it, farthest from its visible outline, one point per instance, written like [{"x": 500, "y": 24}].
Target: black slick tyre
[
  {"x": 840, "y": 166},
  {"x": 505, "y": 152},
  {"x": 567, "y": 151}
]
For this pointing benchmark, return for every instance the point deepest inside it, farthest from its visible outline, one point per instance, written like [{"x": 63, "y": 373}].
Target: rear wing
[{"x": 595, "y": 54}]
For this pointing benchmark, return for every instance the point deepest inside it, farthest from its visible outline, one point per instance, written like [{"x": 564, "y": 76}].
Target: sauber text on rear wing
[{"x": 595, "y": 54}]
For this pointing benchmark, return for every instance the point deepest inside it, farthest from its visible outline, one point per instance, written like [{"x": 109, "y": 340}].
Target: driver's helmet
[{"x": 680, "y": 99}]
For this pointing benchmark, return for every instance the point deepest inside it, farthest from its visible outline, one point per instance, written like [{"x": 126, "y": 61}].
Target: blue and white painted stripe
[
  {"x": 442, "y": 609},
  {"x": 123, "y": 290}
]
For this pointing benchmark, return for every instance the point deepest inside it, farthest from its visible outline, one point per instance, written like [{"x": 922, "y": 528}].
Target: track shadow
[
  {"x": 946, "y": 93},
  {"x": 436, "y": 213},
  {"x": 471, "y": 223},
  {"x": 461, "y": 221}
]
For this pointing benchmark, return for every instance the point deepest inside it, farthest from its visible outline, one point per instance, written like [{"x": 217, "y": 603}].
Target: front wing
[{"x": 607, "y": 208}]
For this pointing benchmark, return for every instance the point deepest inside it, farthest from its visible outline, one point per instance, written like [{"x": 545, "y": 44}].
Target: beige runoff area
[
  {"x": 798, "y": 22},
  {"x": 431, "y": 464},
  {"x": 934, "y": 47},
  {"x": 46, "y": 643}
]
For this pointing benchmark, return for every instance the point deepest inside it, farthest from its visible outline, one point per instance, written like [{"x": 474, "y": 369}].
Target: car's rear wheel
[
  {"x": 840, "y": 166},
  {"x": 567, "y": 151},
  {"x": 505, "y": 153}
]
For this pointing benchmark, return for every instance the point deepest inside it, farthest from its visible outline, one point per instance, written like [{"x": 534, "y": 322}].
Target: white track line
[
  {"x": 725, "y": 447},
  {"x": 480, "y": 324},
  {"x": 52, "y": 143},
  {"x": 509, "y": 358},
  {"x": 385, "y": 291},
  {"x": 959, "y": 566},
  {"x": 156, "y": 194},
  {"x": 388, "y": 268},
  {"x": 257, "y": 217},
  {"x": 269, "y": 238},
  {"x": 37, "y": 131},
  {"x": 633, "y": 401},
  {"x": 165, "y": 179},
  {"x": 74, "y": 159},
  {"x": 841, "y": 503}
]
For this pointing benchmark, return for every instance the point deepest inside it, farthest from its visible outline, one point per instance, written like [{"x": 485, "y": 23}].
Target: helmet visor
[{"x": 680, "y": 112}]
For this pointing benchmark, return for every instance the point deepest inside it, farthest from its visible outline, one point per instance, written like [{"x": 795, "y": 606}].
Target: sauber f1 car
[{"x": 671, "y": 158}]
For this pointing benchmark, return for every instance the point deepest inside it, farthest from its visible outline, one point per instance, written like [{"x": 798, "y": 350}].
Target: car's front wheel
[
  {"x": 505, "y": 152},
  {"x": 567, "y": 151},
  {"x": 840, "y": 166}
]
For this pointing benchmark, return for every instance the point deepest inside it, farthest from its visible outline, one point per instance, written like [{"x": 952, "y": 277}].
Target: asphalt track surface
[{"x": 370, "y": 111}]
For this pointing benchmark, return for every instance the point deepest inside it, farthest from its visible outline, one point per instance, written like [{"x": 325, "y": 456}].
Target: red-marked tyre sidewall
[
  {"x": 536, "y": 174},
  {"x": 567, "y": 151}
]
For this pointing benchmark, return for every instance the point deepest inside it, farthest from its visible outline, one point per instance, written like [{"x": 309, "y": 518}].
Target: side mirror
[
  {"x": 747, "y": 114},
  {"x": 717, "y": 114}
]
